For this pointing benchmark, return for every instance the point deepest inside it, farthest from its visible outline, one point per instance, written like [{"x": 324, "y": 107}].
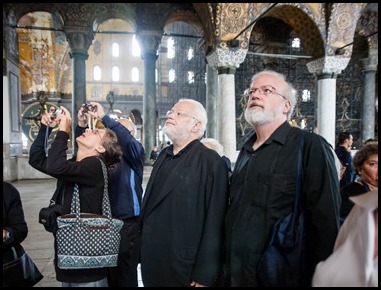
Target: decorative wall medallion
[
  {"x": 234, "y": 11},
  {"x": 31, "y": 121},
  {"x": 344, "y": 20}
]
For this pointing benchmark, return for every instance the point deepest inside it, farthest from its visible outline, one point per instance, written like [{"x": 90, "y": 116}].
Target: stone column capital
[
  {"x": 225, "y": 57},
  {"x": 79, "y": 38},
  {"x": 370, "y": 63},
  {"x": 149, "y": 41},
  {"x": 329, "y": 65}
]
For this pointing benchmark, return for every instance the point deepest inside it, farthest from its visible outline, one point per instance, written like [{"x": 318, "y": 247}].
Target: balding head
[{"x": 127, "y": 123}]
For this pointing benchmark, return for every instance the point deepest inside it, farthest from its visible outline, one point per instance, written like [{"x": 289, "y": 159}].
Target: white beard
[
  {"x": 257, "y": 116},
  {"x": 176, "y": 134}
]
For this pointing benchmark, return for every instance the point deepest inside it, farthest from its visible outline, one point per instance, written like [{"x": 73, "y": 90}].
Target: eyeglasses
[
  {"x": 265, "y": 91},
  {"x": 178, "y": 114}
]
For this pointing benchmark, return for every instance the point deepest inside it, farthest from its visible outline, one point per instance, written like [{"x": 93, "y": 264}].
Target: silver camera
[{"x": 55, "y": 113}]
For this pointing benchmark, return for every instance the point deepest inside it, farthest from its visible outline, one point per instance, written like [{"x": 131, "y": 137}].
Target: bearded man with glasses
[
  {"x": 263, "y": 183},
  {"x": 180, "y": 241}
]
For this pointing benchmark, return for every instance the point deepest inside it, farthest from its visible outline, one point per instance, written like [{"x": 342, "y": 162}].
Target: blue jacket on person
[
  {"x": 125, "y": 180},
  {"x": 345, "y": 158}
]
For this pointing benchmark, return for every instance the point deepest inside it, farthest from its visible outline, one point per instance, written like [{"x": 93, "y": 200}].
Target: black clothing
[
  {"x": 352, "y": 189},
  {"x": 346, "y": 161},
  {"x": 154, "y": 154},
  {"x": 262, "y": 191},
  {"x": 228, "y": 163},
  {"x": 180, "y": 236},
  {"x": 87, "y": 173},
  {"x": 13, "y": 220}
]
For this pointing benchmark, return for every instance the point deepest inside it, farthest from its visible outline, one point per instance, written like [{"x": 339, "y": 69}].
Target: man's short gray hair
[
  {"x": 214, "y": 145},
  {"x": 200, "y": 114}
]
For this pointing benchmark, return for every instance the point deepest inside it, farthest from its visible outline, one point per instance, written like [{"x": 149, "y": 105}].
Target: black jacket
[
  {"x": 181, "y": 225},
  {"x": 13, "y": 217},
  {"x": 262, "y": 191}
]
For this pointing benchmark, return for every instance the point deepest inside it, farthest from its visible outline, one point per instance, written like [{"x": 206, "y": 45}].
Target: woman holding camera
[{"x": 84, "y": 169}]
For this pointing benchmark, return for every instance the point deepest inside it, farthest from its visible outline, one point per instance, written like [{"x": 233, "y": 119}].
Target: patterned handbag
[{"x": 85, "y": 240}]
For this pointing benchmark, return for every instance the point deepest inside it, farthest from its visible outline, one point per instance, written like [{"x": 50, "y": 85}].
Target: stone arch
[
  {"x": 122, "y": 11},
  {"x": 306, "y": 25}
]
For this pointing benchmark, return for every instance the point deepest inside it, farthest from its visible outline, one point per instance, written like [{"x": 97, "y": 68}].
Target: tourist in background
[
  {"x": 365, "y": 162},
  {"x": 354, "y": 261},
  {"x": 343, "y": 152}
]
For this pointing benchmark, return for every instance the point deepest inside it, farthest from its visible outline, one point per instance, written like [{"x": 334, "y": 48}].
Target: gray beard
[
  {"x": 175, "y": 136},
  {"x": 259, "y": 117}
]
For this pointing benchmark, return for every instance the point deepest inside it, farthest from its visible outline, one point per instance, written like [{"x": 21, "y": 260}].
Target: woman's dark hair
[
  {"x": 370, "y": 140},
  {"x": 113, "y": 151},
  {"x": 363, "y": 154}
]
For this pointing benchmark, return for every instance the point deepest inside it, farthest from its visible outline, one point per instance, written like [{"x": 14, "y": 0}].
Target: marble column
[
  {"x": 327, "y": 69},
  {"x": 369, "y": 98},
  {"x": 12, "y": 133},
  {"x": 227, "y": 112},
  {"x": 226, "y": 60},
  {"x": 212, "y": 107},
  {"x": 149, "y": 43},
  {"x": 79, "y": 39}
]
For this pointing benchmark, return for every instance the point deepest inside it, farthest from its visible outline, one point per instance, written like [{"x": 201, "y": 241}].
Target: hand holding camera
[
  {"x": 97, "y": 110},
  {"x": 62, "y": 116},
  {"x": 88, "y": 107},
  {"x": 48, "y": 117},
  {"x": 55, "y": 113},
  {"x": 83, "y": 116}
]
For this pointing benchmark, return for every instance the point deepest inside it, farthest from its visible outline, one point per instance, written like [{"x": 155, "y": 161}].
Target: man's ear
[
  {"x": 287, "y": 106},
  {"x": 196, "y": 126}
]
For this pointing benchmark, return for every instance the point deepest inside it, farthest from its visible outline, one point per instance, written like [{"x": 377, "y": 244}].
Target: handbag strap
[
  {"x": 75, "y": 206},
  {"x": 106, "y": 207},
  {"x": 17, "y": 251}
]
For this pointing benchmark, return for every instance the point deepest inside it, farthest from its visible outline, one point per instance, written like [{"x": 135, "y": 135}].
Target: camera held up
[
  {"x": 55, "y": 113},
  {"x": 88, "y": 107}
]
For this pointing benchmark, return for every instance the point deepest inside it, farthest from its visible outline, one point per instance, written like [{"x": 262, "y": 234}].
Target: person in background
[
  {"x": 370, "y": 140},
  {"x": 85, "y": 170},
  {"x": 181, "y": 227},
  {"x": 263, "y": 183},
  {"x": 165, "y": 145},
  {"x": 343, "y": 152},
  {"x": 154, "y": 154},
  {"x": 217, "y": 146},
  {"x": 354, "y": 261},
  {"x": 15, "y": 228},
  {"x": 365, "y": 162},
  {"x": 125, "y": 190}
]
